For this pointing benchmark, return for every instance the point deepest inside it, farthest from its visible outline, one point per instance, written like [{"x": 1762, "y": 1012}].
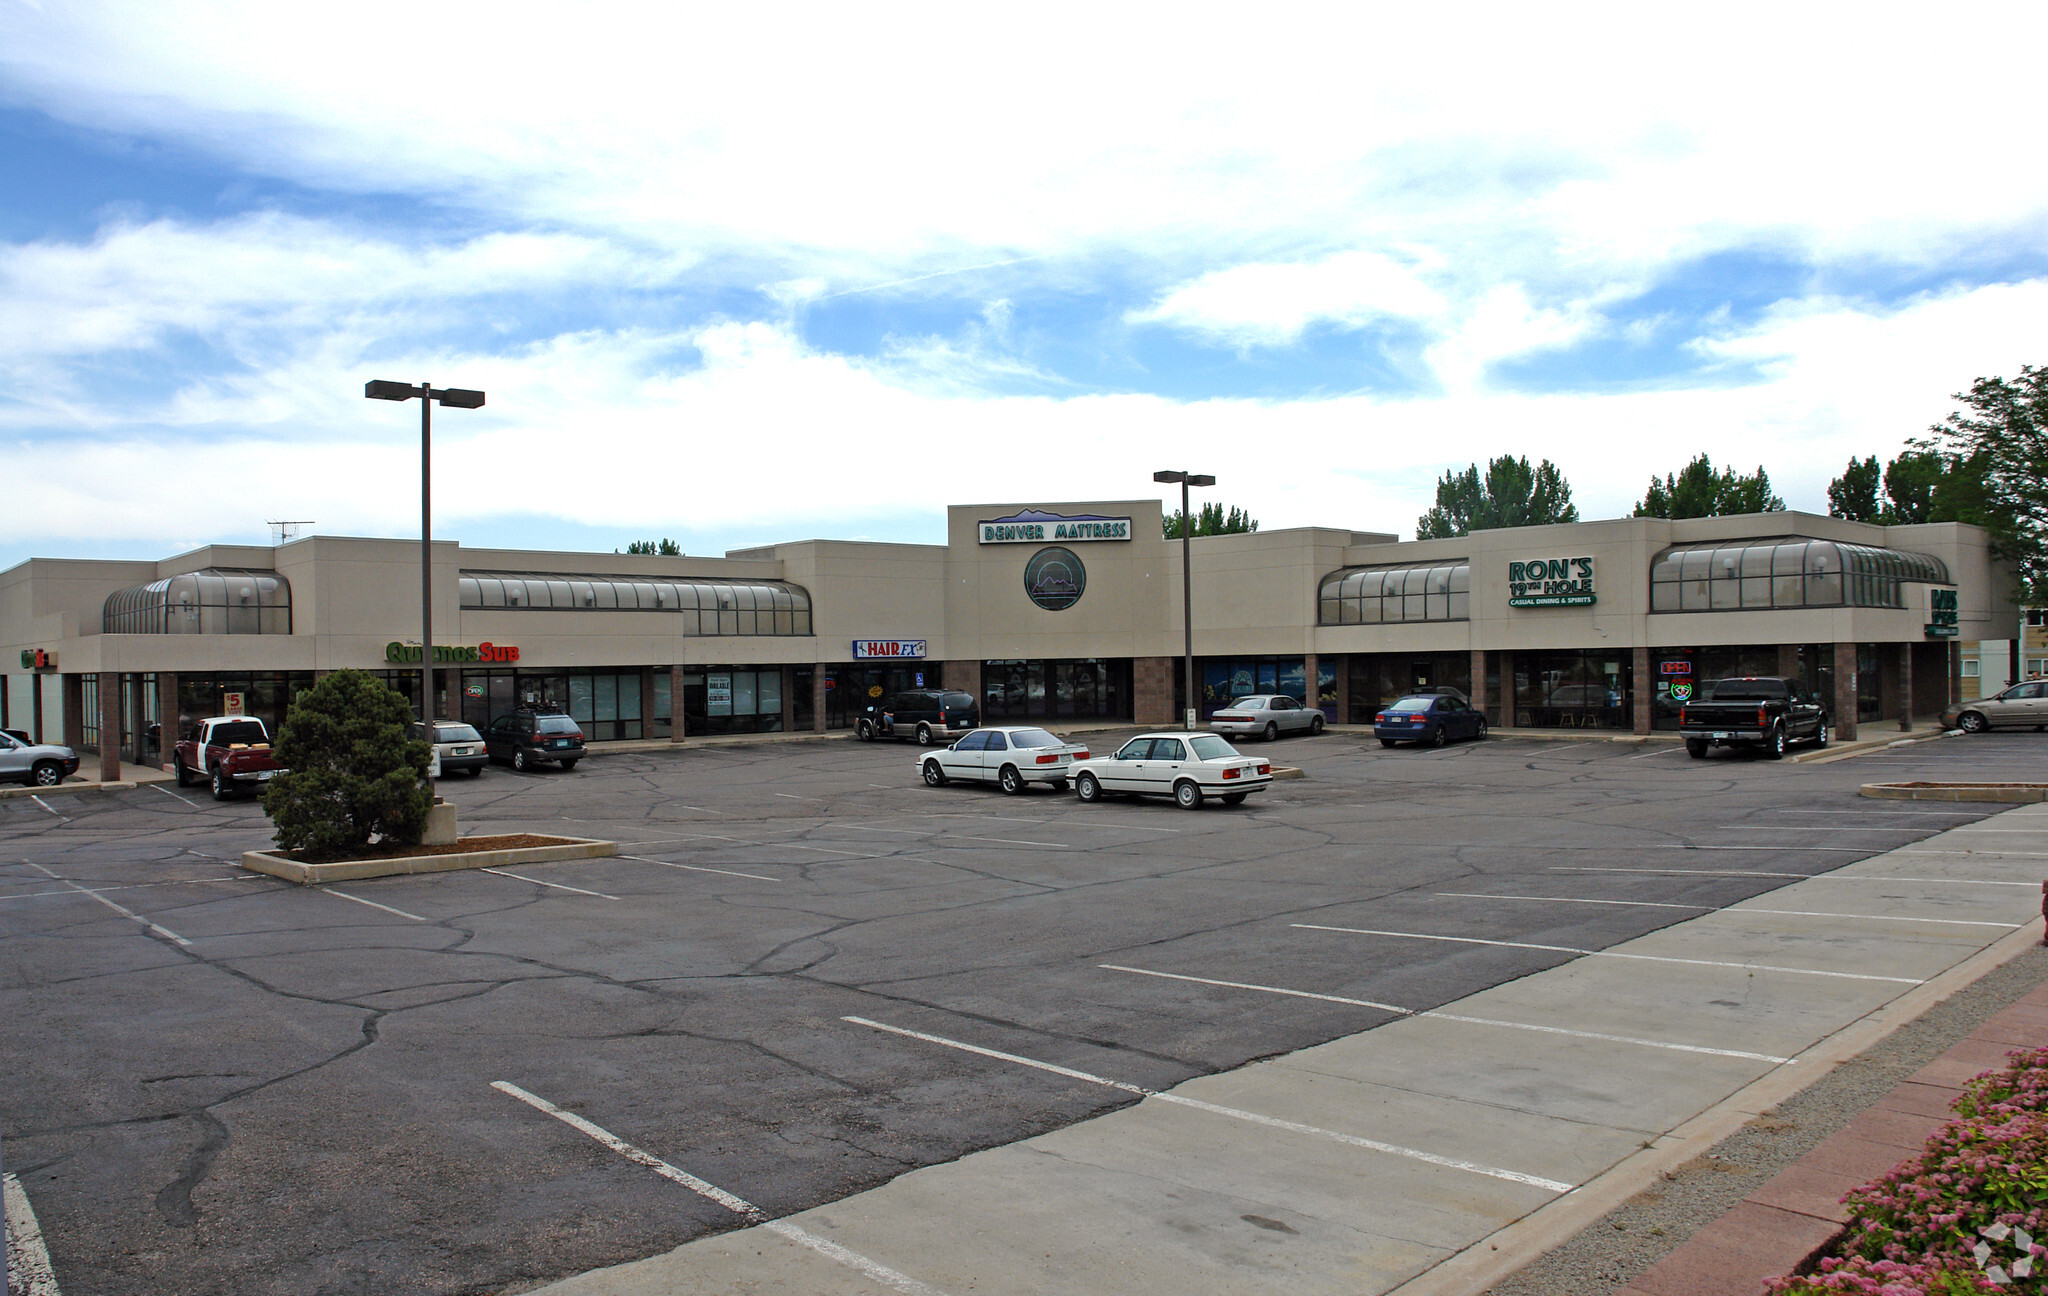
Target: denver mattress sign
[
  {"x": 1551, "y": 582},
  {"x": 1033, "y": 526}
]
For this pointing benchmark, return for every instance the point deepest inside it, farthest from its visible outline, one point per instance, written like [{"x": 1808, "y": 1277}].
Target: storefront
[{"x": 1064, "y": 614}]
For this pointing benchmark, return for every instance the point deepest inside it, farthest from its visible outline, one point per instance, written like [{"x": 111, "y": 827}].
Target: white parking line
[
  {"x": 1844, "y": 850},
  {"x": 827, "y": 850},
  {"x": 373, "y": 904},
  {"x": 739, "y": 1206},
  {"x": 1735, "y": 909},
  {"x": 1805, "y": 828},
  {"x": 28, "y": 1259},
  {"x": 1980, "y": 854},
  {"x": 133, "y": 886},
  {"x": 556, "y": 885},
  {"x": 129, "y": 914},
  {"x": 698, "y": 868},
  {"x": 1641, "y": 958},
  {"x": 1663, "y": 752},
  {"x": 174, "y": 796},
  {"x": 1010, "y": 841},
  {"x": 46, "y": 805},
  {"x": 1444, "y": 1016},
  {"x": 794, "y": 797},
  {"x": 1272, "y": 1122},
  {"x": 1808, "y": 877}
]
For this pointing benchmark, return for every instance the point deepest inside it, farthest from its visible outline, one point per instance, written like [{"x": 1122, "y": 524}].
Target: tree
[
  {"x": 1997, "y": 448},
  {"x": 1210, "y": 519},
  {"x": 1512, "y": 494},
  {"x": 665, "y": 548},
  {"x": 350, "y": 771},
  {"x": 1853, "y": 495},
  {"x": 1699, "y": 491}
]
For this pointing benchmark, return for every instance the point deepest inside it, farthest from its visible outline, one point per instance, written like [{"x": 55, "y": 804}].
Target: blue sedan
[{"x": 1433, "y": 718}]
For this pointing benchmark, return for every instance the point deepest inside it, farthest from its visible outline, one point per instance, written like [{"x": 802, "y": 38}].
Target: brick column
[
  {"x": 646, "y": 702},
  {"x": 819, "y": 673},
  {"x": 965, "y": 676},
  {"x": 1481, "y": 700},
  {"x": 1845, "y": 691},
  {"x": 1309, "y": 671},
  {"x": 166, "y": 717},
  {"x": 1905, "y": 687},
  {"x": 1788, "y": 660},
  {"x": 1955, "y": 670},
  {"x": 1644, "y": 693},
  {"x": 1507, "y": 690},
  {"x": 6, "y": 686},
  {"x": 788, "y": 698},
  {"x": 1152, "y": 680},
  {"x": 71, "y": 696},
  {"x": 35, "y": 703},
  {"x": 1344, "y": 689},
  {"x": 109, "y": 704},
  {"x": 675, "y": 703}
]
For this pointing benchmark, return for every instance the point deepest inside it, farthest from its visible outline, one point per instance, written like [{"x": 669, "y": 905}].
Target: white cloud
[{"x": 1271, "y": 304}]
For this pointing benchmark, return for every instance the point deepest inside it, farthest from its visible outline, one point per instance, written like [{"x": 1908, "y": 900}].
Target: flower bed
[{"x": 1969, "y": 1214}]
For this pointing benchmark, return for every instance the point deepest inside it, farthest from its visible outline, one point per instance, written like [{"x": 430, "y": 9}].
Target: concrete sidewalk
[{"x": 1430, "y": 1155}]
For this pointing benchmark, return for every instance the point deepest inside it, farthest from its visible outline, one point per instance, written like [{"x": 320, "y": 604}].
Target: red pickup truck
[{"x": 231, "y": 752}]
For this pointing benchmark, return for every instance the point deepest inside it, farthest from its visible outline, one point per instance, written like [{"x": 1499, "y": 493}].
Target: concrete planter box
[
  {"x": 565, "y": 848},
  {"x": 2011, "y": 793}
]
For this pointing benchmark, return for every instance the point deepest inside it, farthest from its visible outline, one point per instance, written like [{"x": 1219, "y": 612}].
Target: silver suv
[{"x": 36, "y": 764}]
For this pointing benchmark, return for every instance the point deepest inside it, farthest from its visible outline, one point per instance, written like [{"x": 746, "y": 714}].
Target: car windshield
[
  {"x": 1412, "y": 704},
  {"x": 456, "y": 733},
  {"x": 240, "y": 731},
  {"x": 1746, "y": 690},
  {"x": 1249, "y": 703},
  {"x": 1034, "y": 738},
  {"x": 556, "y": 724},
  {"x": 1210, "y": 747},
  {"x": 952, "y": 700}
]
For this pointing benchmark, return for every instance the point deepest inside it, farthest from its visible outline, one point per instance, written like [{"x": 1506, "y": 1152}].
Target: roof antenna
[{"x": 283, "y": 531}]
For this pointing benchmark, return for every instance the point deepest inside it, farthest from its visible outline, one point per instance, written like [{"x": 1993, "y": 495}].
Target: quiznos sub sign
[
  {"x": 1551, "y": 582},
  {"x": 452, "y": 653},
  {"x": 1033, "y": 526}
]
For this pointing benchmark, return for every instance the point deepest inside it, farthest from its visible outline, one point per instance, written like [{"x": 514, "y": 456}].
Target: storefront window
[
  {"x": 1076, "y": 689},
  {"x": 1574, "y": 690},
  {"x": 1379, "y": 678}
]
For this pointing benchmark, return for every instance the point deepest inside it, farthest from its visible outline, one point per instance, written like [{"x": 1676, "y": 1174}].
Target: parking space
[{"x": 808, "y": 974}]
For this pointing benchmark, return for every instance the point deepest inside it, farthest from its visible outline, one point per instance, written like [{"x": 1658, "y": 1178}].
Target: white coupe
[
  {"x": 1186, "y": 767},
  {"x": 1012, "y": 757}
]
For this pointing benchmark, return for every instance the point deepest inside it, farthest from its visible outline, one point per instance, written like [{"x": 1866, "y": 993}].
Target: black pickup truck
[{"x": 1750, "y": 711}]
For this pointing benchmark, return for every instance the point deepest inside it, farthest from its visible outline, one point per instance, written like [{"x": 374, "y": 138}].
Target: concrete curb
[
  {"x": 355, "y": 870},
  {"x": 2009, "y": 793},
  {"x": 63, "y": 787},
  {"x": 1509, "y": 1249}
]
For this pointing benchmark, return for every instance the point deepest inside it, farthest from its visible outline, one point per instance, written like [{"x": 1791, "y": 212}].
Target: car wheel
[
  {"x": 476, "y": 771},
  {"x": 1272, "y": 731},
  {"x": 1479, "y": 734},
  {"x": 864, "y": 731},
  {"x": 1233, "y": 798},
  {"x": 1438, "y": 737},
  {"x": 1774, "y": 746},
  {"x": 519, "y": 761},
  {"x": 1315, "y": 726},
  {"x": 1087, "y": 788},
  {"x": 1971, "y": 722},
  {"x": 1186, "y": 795},
  {"x": 1822, "y": 735},
  {"x": 222, "y": 789},
  {"x": 1058, "y": 785},
  {"x": 933, "y": 775},
  {"x": 1696, "y": 748},
  {"x": 46, "y": 774},
  {"x": 570, "y": 764},
  {"x": 182, "y": 772},
  {"x": 1011, "y": 781},
  {"x": 1386, "y": 742},
  {"x": 924, "y": 735}
]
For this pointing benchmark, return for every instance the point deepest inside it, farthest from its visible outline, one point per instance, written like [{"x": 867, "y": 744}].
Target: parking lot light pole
[
  {"x": 1187, "y": 583},
  {"x": 459, "y": 398}
]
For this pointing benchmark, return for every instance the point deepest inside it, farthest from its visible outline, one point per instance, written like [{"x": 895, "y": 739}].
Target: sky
[{"x": 735, "y": 275}]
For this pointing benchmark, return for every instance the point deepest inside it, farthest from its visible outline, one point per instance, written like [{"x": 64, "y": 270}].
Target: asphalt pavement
[{"x": 808, "y": 977}]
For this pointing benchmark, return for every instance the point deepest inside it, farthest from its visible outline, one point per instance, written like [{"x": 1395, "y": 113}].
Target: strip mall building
[{"x": 1065, "y": 612}]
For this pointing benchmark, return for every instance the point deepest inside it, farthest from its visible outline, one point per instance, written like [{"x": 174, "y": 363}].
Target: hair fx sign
[{"x": 1551, "y": 582}]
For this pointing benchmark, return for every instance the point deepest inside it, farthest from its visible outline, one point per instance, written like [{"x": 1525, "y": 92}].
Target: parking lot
[{"x": 217, "y": 1082}]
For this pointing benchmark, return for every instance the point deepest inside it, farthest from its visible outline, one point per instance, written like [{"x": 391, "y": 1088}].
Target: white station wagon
[
  {"x": 1011, "y": 756},
  {"x": 1186, "y": 767}
]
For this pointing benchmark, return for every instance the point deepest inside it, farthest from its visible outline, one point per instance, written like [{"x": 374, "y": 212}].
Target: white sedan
[
  {"x": 1186, "y": 767},
  {"x": 1011, "y": 756}
]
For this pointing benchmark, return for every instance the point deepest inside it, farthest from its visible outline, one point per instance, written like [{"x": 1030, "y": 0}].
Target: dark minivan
[
  {"x": 928, "y": 715},
  {"x": 532, "y": 737}
]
